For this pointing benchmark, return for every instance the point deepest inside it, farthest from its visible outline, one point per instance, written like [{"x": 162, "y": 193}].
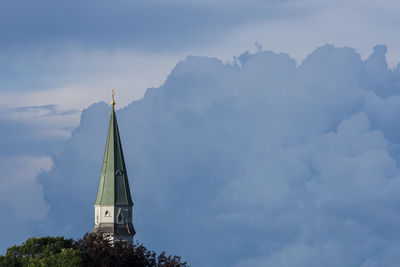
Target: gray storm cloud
[{"x": 256, "y": 163}]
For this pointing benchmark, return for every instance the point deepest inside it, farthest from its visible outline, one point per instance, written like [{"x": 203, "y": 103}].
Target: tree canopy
[{"x": 91, "y": 250}]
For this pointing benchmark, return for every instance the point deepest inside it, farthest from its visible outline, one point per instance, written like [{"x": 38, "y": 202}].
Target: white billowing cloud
[
  {"x": 342, "y": 196},
  {"x": 261, "y": 162},
  {"x": 313, "y": 23}
]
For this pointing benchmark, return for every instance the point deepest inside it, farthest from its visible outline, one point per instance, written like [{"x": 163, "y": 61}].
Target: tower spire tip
[{"x": 112, "y": 98}]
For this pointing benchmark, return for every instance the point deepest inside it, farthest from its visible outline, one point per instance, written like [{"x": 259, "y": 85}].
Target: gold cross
[{"x": 112, "y": 95}]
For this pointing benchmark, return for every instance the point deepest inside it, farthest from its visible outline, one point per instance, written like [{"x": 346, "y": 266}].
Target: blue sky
[{"x": 249, "y": 141}]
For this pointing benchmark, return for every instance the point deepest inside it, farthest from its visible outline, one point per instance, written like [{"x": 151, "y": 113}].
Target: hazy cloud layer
[
  {"x": 71, "y": 53},
  {"x": 165, "y": 25},
  {"x": 34, "y": 130},
  {"x": 21, "y": 197},
  {"x": 28, "y": 135},
  {"x": 259, "y": 163}
]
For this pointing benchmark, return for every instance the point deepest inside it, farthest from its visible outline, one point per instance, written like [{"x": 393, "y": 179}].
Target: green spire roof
[{"x": 114, "y": 185}]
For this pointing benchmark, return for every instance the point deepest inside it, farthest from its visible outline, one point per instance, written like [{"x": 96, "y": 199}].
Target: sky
[{"x": 256, "y": 133}]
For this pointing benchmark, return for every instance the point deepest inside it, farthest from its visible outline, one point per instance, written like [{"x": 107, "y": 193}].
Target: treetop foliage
[{"x": 91, "y": 250}]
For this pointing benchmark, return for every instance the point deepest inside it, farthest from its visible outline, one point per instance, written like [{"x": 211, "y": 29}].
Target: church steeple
[
  {"x": 113, "y": 205},
  {"x": 114, "y": 185}
]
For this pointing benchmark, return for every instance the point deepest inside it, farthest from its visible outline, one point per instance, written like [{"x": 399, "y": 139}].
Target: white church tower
[{"x": 113, "y": 206}]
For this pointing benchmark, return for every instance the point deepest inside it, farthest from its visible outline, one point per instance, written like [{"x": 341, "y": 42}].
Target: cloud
[
  {"x": 165, "y": 25},
  {"x": 19, "y": 187},
  {"x": 29, "y": 135},
  {"x": 35, "y": 130},
  {"x": 132, "y": 46},
  {"x": 22, "y": 204},
  {"x": 259, "y": 162},
  {"x": 44, "y": 111}
]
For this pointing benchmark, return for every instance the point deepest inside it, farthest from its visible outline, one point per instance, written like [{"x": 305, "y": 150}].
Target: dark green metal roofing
[{"x": 114, "y": 185}]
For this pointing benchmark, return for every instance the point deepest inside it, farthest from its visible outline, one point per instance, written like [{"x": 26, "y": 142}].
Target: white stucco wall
[
  {"x": 110, "y": 213},
  {"x": 104, "y": 214}
]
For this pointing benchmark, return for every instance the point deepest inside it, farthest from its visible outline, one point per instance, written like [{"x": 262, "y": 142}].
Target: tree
[
  {"x": 101, "y": 253},
  {"x": 45, "y": 251},
  {"x": 92, "y": 250},
  {"x": 66, "y": 258}
]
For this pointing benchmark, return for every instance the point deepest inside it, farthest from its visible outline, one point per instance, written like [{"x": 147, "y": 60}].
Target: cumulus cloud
[{"x": 255, "y": 163}]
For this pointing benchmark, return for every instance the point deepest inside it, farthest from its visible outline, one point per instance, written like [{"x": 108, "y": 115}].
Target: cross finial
[{"x": 112, "y": 97}]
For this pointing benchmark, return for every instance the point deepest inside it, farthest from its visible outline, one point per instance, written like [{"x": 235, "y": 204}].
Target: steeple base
[
  {"x": 115, "y": 222},
  {"x": 116, "y": 233}
]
